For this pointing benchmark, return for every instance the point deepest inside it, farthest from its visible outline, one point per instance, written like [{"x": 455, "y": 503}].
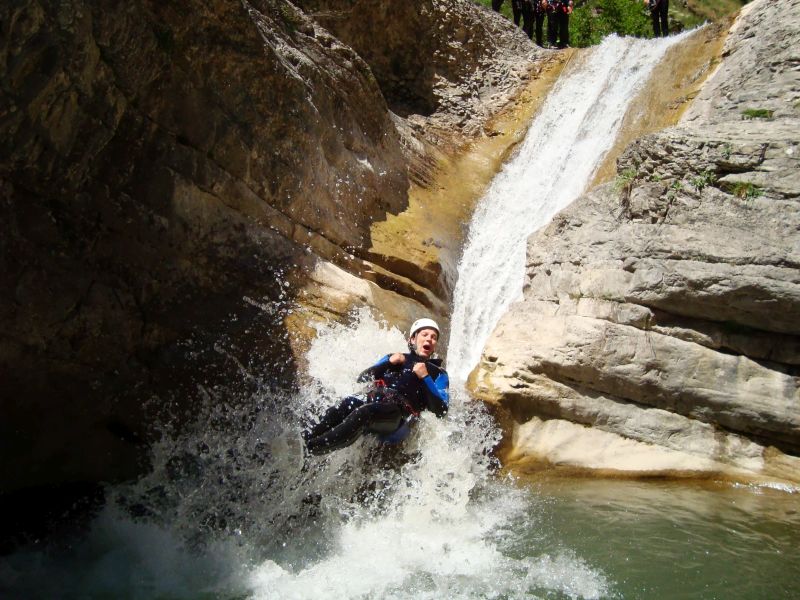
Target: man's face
[{"x": 426, "y": 340}]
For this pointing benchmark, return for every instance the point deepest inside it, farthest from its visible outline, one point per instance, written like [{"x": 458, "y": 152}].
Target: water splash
[{"x": 433, "y": 525}]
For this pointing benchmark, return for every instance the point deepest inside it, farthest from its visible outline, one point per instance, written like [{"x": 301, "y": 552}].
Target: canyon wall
[
  {"x": 174, "y": 175},
  {"x": 659, "y": 329}
]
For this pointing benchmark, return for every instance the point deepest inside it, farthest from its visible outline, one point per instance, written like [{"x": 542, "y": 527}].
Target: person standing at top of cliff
[
  {"x": 558, "y": 12},
  {"x": 539, "y": 12},
  {"x": 524, "y": 9},
  {"x": 401, "y": 387},
  {"x": 552, "y": 25},
  {"x": 659, "y": 12}
]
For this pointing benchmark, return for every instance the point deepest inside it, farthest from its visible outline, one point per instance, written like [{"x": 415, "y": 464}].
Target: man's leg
[
  {"x": 656, "y": 23},
  {"x": 496, "y": 4},
  {"x": 334, "y": 416},
  {"x": 382, "y": 416},
  {"x": 527, "y": 18},
  {"x": 562, "y": 20},
  {"x": 539, "y": 25},
  {"x": 663, "y": 9},
  {"x": 552, "y": 28},
  {"x": 516, "y": 10}
]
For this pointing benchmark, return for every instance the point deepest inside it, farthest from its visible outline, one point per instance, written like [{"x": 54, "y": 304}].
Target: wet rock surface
[
  {"x": 171, "y": 175},
  {"x": 663, "y": 309}
]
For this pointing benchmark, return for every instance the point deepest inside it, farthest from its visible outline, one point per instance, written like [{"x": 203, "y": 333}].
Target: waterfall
[
  {"x": 228, "y": 512},
  {"x": 444, "y": 527},
  {"x": 563, "y": 148}
]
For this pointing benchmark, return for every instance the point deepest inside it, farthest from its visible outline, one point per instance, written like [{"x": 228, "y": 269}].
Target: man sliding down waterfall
[{"x": 402, "y": 386}]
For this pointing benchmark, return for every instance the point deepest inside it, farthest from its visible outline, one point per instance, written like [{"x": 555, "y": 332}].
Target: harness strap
[{"x": 380, "y": 392}]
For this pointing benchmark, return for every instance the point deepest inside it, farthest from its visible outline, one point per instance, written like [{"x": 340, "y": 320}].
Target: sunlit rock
[{"x": 663, "y": 308}]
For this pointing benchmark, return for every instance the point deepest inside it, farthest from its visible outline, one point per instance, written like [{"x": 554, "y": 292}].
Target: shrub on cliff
[{"x": 592, "y": 21}]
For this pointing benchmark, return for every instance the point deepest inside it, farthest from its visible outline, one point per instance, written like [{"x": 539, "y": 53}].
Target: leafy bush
[
  {"x": 703, "y": 180},
  {"x": 592, "y": 21},
  {"x": 746, "y": 190},
  {"x": 625, "y": 179},
  {"x": 757, "y": 113}
]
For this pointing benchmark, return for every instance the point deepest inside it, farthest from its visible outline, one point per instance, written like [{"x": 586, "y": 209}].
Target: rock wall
[
  {"x": 659, "y": 330},
  {"x": 460, "y": 56},
  {"x": 170, "y": 176}
]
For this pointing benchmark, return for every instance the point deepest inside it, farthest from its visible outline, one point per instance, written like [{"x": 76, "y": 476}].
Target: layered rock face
[
  {"x": 170, "y": 175},
  {"x": 445, "y": 60},
  {"x": 659, "y": 330}
]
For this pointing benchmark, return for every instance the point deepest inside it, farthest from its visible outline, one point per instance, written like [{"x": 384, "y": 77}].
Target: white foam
[{"x": 437, "y": 528}]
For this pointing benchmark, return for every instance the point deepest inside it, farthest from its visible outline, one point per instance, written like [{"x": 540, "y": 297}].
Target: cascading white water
[{"x": 563, "y": 148}]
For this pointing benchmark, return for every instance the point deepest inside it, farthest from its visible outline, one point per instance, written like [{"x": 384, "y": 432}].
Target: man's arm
[
  {"x": 437, "y": 393},
  {"x": 377, "y": 370}
]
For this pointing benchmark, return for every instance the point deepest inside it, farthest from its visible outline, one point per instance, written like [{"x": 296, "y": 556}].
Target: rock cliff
[
  {"x": 172, "y": 174},
  {"x": 659, "y": 329}
]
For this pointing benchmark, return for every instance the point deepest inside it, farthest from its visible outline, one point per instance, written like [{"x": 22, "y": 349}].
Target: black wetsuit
[
  {"x": 558, "y": 23},
  {"x": 524, "y": 9},
  {"x": 552, "y": 24},
  {"x": 394, "y": 401},
  {"x": 659, "y": 12},
  {"x": 539, "y": 12}
]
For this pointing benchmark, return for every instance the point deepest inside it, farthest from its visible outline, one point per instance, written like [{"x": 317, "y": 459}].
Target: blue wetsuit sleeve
[
  {"x": 437, "y": 393},
  {"x": 376, "y": 371}
]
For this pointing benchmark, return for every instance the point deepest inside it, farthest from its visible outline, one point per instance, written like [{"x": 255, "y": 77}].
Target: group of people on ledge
[{"x": 531, "y": 13}]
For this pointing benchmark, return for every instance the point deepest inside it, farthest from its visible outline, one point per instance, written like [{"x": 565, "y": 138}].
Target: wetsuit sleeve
[
  {"x": 437, "y": 394},
  {"x": 376, "y": 371}
]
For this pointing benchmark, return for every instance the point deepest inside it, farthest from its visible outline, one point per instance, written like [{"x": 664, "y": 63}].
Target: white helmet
[{"x": 423, "y": 324}]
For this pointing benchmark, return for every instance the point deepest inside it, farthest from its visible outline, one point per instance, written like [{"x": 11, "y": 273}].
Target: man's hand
[
  {"x": 420, "y": 370},
  {"x": 397, "y": 359}
]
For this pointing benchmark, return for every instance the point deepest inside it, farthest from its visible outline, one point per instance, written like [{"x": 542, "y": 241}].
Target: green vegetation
[
  {"x": 757, "y": 113},
  {"x": 746, "y": 190},
  {"x": 704, "y": 179},
  {"x": 593, "y": 20},
  {"x": 290, "y": 17},
  {"x": 675, "y": 187},
  {"x": 624, "y": 179},
  {"x": 505, "y": 10},
  {"x": 698, "y": 11}
]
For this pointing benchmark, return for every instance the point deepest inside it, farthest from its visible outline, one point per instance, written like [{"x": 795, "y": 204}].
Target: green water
[{"x": 672, "y": 540}]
